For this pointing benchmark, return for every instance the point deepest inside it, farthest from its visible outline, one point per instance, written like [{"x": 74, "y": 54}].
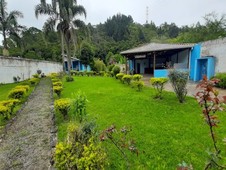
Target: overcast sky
[{"x": 181, "y": 12}]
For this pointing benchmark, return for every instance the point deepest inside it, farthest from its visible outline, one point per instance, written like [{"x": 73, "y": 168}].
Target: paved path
[
  {"x": 27, "y": 142},
  {"x": 191, "y": 86}
]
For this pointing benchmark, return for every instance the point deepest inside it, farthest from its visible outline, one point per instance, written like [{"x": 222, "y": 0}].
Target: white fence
[{"x": 24, "y": 68}]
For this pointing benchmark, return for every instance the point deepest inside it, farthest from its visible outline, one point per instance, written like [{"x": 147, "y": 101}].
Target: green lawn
[
  {"x": 166, "y": 132},
  {"x": 4, "y": 91}
]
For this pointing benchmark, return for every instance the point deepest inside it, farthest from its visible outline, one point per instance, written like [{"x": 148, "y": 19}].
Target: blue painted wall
[
  {"x": 205, "y": 66},
  {"x": 195, "y": 54},
  {"x": 161, "y": 73}
]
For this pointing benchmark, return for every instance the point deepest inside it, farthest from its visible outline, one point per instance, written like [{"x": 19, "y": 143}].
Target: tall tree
[
  {"x": 63, "y": 13},
  {"x": 8, "y": 24}
]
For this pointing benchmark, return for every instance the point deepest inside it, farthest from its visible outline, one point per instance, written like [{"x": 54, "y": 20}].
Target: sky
[{"x": 181, "y": 12}]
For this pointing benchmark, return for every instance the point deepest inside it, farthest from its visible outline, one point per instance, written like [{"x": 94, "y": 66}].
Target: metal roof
[{"x": 151, "y": 47}]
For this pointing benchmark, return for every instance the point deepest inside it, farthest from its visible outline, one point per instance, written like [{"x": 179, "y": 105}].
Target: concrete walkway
[
  {"x": 191, "y": 86},
  {"x": 27, "y": 142}
]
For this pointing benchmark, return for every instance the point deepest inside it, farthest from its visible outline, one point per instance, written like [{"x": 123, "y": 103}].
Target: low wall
[{"x": 24, "y": 68}]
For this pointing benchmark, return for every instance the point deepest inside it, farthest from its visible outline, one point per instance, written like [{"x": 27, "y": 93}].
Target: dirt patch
[{"x": 27, "y": 142}]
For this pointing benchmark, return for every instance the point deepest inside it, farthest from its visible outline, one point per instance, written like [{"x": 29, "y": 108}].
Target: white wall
[
  {"x": 24, "y": 68},
  {"x": 216, "y": 48}
]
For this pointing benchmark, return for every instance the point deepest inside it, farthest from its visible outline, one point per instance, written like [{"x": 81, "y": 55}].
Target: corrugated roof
[{"x": 156, "y": 47}]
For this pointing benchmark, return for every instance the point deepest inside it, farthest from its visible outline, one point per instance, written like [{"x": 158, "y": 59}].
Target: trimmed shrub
[
  {"x": 58, "y": 83},
  {"x": 69, "y": 79},
  {"x": 26, "y": 87},
  {"x": 179, "y": 80},
  {"x": 11, "y": 104},
  {"x": 120, "y": 76},
  {"x": 53, "y": 75},
  {"x": 81, "y": 150},
  {"x": 116, "y": 70},
  {"x": 222, "y": 78},
  {"x": 5, "y": 112},
  {"x": 17, "y": 93},
  {"x": 158, "y": 84},
  {"x": 35, "y": 76},
  {"x": 137, "y": 77},
  {"x": 89, "y": 73},
  {"x": 102, "y": 73},
  {"x": 138, "y": 84},
  {"x": 34, "y": 81},
  {"x": 127, "y": 78},
  {"x": 55, "y": 80},
  {"x": 57, "y": 90},
  {"x": 63, "y": 106}
]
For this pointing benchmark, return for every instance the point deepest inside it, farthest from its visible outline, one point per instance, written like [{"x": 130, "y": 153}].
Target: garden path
[
  {"x": 191, "y": 86},
  {"x": 26, "y": 144}
]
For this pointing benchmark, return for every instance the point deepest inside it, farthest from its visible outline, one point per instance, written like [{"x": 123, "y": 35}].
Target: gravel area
[{"x": 26, "y": 145}]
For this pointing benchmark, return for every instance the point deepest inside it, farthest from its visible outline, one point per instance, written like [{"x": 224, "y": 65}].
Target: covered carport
[{"x": 155, "y": 58}]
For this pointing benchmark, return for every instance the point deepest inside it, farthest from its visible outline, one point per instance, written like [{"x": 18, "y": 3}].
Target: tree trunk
[
  {"x": 62, "y": 50},
  {"x": 68, "y": 54},
  {"x": 5, "y": 48}
]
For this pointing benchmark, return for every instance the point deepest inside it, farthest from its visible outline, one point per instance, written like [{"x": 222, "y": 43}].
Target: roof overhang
[{"x": 155, "y": 47}]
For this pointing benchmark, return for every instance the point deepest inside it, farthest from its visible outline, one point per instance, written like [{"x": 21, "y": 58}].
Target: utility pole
[{"x": 147, "y": 14}]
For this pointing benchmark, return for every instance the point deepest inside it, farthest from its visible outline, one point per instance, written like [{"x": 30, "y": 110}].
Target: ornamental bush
[
  {"x": 127, "y": 78},
  {"x": 11, "y": 104},
  {"x": 179, "y": 80},
  {"x": 102, "y": 73},
  {"x": 17, "y": 93},
  {"x": 34, "y": 81},
  {"x": 58, "y": 83},
  {"x": 26, "y": 87},
  {"x": 5, "y": 112},
  {"x": 222, "y": 78},
  {"x": 63, "y": 106},
  {"x": 116, "y": 70},
  {"x": 138, "y": 84},
  {"x": 89, "y": 73},
  {"x": 35, "y": 75},
  {"x": 81, "y": 150},
  {"x": 120, "y": 76},
  {"x": 158, "y": 84},
  {"x": 69, "y": 79},
  {"x": 55, "y": 80},
  {"x": 137, "y": 77},
  {"x": 57, "y": 90}
]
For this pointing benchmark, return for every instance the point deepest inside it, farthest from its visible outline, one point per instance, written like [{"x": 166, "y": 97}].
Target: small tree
[
  {"x": 158, "y": 84},
  {"x": 179, "y": 81},
  {"x": 208, "y": 99},
  {"x": 116, "y": 70}
]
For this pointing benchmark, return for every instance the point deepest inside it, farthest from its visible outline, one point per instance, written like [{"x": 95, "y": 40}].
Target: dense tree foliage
[{"x": 106, "y": 40}]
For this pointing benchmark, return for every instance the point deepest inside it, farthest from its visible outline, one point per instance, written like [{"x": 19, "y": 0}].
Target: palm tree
[
  {"x": 63, "y": 13},
  {"x": 8, "y": 24}
]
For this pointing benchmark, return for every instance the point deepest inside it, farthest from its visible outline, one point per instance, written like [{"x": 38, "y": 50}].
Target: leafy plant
[
  {"x": 57, "y": 83},
  {"x": 55, "y": 80},
  {"x": 208, "y": 99},
  {"x": 80, "y": 102},
  {"x": 89, "y": 73},
  {"x": 127, "y": 78},
  {"x": 11, "y": 104},
  {"x": 120, "y": 76},
  {"x": 34, "y": 81},
  {"x": 17, "y": 93},
  {"x": 5, "y": 112},
  {"x": 120, "y": 141},
  {"x": 69, "y": 79},
  {"x": 16, "y": 79},
  {"x": 39, "y": 72},
  {"x": 102, "y": 73},
  {"x": 158, "y": 84},
  {"x": 57, "y": 90},
  {"x": 81, "y": 150},
  {"x": 63, "y": 106},
  {"x": 116, "y": 70},
  {"x": 179, "y": 80},
  {"x": 137, "y": 77},
  {"x": 222, "y": 78},
  {"x": 138, "y": 84},
  {"x": 35, "y": 76},
  {"x": 26, "y": 87}
]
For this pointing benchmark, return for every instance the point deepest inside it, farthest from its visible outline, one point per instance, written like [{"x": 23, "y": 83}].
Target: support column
[{"x": 154, "y": 60}]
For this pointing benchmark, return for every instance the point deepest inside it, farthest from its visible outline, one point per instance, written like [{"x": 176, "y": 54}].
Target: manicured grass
[
  {"x": 4, "y": 91},
  {"x": 166, "y": 132}
]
